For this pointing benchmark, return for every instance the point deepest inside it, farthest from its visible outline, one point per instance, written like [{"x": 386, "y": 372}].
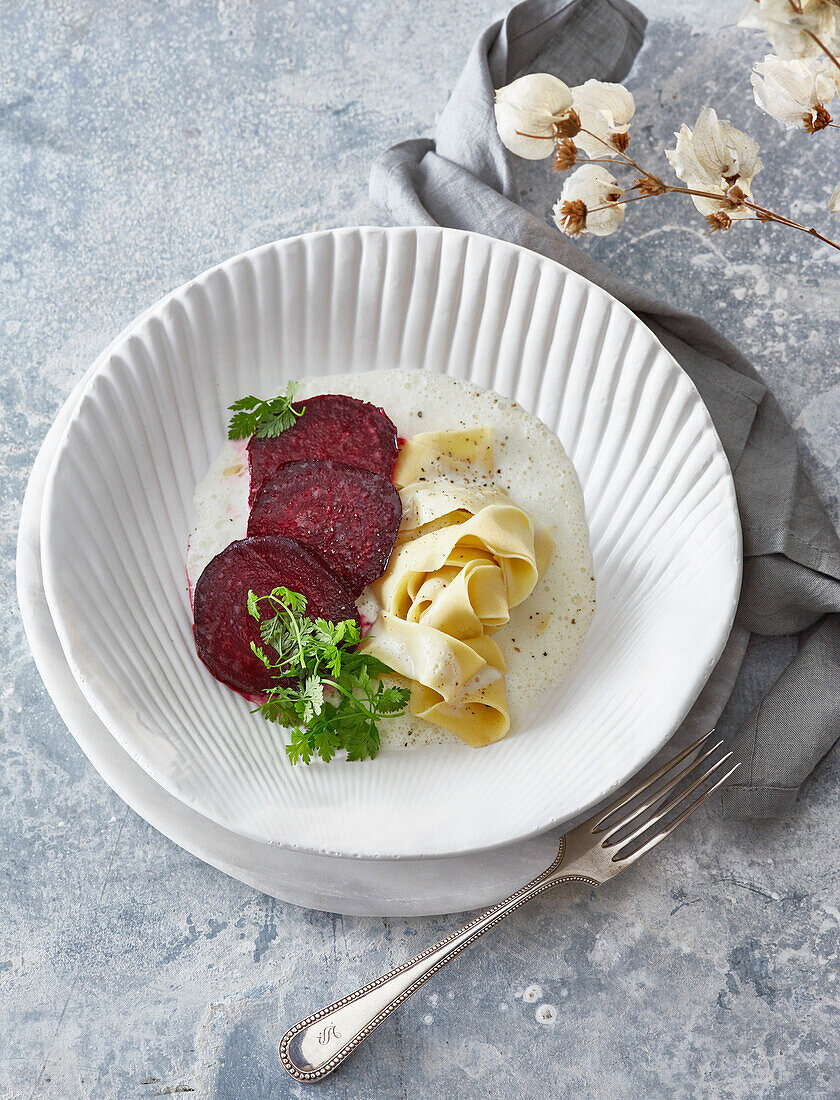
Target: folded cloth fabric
[{"x": 464, "y": 179}]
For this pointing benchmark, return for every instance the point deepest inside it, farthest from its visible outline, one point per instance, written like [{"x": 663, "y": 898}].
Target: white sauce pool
[{"x": 546, "y": 632}]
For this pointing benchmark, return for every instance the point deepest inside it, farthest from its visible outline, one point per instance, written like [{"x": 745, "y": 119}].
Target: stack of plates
[{"x": 108, "y": 511}]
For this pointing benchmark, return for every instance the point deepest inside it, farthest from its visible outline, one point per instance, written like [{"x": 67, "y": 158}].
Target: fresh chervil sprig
[
  {"x": 329, "y": 695},
  {"x": 264, "y": 419}
]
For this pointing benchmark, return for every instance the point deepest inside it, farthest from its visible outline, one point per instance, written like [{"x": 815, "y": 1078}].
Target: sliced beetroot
[
  {"x": 347, "y": 515},
  {"x": 223, "y": 628},
  {"x": 333, "y": 427}
]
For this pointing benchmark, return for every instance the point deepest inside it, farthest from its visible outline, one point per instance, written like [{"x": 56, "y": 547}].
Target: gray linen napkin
[{"x": 464, "y": 179}]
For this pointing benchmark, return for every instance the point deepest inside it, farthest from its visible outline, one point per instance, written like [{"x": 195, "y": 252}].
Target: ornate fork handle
[
  {"x": 317, "y": 1045},
  {"x": 593, "y": 852}
]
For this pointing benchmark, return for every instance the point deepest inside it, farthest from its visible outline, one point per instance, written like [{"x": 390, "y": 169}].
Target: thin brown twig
[
  {"x": 769, "y": 215},
  {"x": 780, "y": 219},
  {"x": 628, "y": 160},
  {"x": 796, "y": 7},
  {"x": 614, "y": 149},
  {"x": 601, "y": 160},
  {"x": 618, "y": 202},
  {"x": 823, "y": 47}
]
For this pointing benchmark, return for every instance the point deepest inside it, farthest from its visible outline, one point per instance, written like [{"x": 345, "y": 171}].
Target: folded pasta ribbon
[
  {"x": 465, "y": 555},
  {"x": 432, "y": 455},
  {"x": 481, "y": 715},
  {"x": 502, "y": 532},
  {"x": 458, "y": 685}
]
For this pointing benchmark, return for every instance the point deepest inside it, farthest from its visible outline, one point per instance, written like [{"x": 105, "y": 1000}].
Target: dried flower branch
[
  {"x": 715, "y": 157},
  {"x": 716, "y": 161}
]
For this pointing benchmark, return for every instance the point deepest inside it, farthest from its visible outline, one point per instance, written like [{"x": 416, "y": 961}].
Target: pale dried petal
[
  {"x": 723, "y": 150},
  {"x": 714, "y": 157},
  {"x": 791, "y": 91},
  {"x": 826, "y": 81},
  {"x": 831, "y": 72},
  {"x": 598, "y": 190},
  {"x": 604, "y": 110},
  {"x": 531, "y": 105},
  {"x": 834, "y": 201},
  {"x": 681, "y": 157}
]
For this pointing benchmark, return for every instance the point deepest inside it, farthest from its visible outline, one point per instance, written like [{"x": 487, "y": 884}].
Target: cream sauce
[{"x": 546, "y": 632}]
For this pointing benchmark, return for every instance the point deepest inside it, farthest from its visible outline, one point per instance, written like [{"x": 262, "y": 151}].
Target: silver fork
[{"x": 594, "y": 852}]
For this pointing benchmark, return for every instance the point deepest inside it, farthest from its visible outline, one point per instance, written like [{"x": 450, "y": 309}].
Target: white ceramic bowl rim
[{"x": 676, "y": 710}]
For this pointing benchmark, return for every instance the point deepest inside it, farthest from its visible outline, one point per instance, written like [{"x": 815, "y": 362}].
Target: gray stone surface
[{"x": 141, "y": 141}]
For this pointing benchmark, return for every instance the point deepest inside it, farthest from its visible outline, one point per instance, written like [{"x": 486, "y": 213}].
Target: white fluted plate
[
  {"x": 366, "y": 887},
  {"x": 659, "y": 496}
]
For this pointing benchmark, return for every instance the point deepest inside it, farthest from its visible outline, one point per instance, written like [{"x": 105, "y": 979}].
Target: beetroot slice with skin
[
  {"x": 333, "y": 427},
  {"x": 346, "y": 515},
  {"x": 223, "y": 628}
]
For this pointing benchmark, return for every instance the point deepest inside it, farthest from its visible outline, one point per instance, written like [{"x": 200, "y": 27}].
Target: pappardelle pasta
[{"x": 466, "y": 554}]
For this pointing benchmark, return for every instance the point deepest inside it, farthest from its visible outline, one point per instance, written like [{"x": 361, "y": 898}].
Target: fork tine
[
  {"x": 651, "y": 779},
  {"x": 687, "y": 812},
  {"x": 660, "y": 793},
  {"x": 669, "y": 805}
]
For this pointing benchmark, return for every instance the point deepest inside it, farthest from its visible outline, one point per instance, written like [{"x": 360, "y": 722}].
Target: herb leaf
[
  {"x": 330, "y": 696},
  {"x": 264, "y": 419}
]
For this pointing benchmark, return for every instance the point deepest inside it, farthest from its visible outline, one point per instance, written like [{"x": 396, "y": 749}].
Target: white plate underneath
[{"x": 409, "y": 887}]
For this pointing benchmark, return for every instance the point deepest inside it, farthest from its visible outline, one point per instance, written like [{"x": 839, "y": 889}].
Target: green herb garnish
[
  {"x": 264, "y": 419},
  {"x": 338, "y": 697}
]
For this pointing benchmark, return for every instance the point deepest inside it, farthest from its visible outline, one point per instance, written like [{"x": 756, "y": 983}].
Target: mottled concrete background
[{"x": 140, "y": 142}]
